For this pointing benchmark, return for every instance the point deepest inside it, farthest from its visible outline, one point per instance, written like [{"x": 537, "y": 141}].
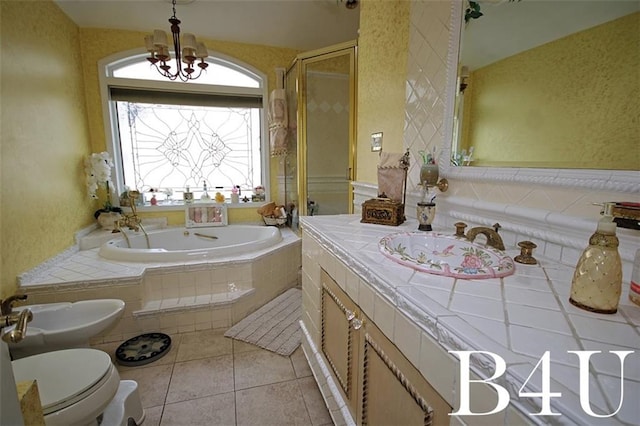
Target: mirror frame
[{"x": 609, "y": 180}]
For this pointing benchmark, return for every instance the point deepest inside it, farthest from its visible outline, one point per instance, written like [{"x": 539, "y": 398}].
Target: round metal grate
[{"x": 143, "y": 349}]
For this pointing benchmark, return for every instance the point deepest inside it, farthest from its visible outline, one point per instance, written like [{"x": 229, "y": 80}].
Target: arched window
[{"x": 166, "y": 135}]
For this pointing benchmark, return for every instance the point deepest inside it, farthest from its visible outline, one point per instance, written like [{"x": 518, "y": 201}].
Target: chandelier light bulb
[{"x": 159, "y": 54}]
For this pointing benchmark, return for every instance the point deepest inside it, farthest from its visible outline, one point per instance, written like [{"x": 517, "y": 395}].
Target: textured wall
[
  {"x": 382, "y": 72},
  {"x": 52, "y": 119},
  {"x": 429, "y": 37},
  {"x": 44, "y": 137},
  {"x": 583, "y": 87},
  {"x": 98, "y": 43}
]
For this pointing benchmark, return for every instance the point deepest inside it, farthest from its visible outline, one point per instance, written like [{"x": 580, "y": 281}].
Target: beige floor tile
[
  {"x": 153, "y": 383},
  {"x": 300, "y": 364},
  {"x": 203, "y": 344},
  {"x": 240, "y": 346},
  {"x": 168, "y": 358},
  {"x": 275, "y": 404},
  {"x": 261, "y": 367},
  {"x": 152, "y": 416},
  {"x": 210, "y": 411},
  {"x": 200, "y": 378},
  {"x": 314, "y": 402}
]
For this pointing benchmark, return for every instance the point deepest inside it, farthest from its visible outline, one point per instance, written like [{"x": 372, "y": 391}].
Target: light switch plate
[{"x": 376, "y": 141}]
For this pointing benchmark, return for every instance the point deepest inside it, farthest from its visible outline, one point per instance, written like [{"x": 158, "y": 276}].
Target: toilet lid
[{"x": 63, "y": 376}]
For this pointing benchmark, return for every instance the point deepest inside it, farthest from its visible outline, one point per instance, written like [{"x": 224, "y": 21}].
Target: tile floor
[{"x": 209, "y": 379}]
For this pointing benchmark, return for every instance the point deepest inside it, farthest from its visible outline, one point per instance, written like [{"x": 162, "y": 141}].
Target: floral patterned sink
[{"x": 446, "y": 255}]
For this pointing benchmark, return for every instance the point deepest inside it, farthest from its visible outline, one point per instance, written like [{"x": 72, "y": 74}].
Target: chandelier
[{"x": 188, "y": 53}]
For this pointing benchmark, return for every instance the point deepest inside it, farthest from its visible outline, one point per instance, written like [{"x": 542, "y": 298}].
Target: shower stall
[{"x": 316, "y": 173}]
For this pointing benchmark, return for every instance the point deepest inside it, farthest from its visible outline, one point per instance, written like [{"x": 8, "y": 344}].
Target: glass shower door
[{"x": 327, "y": 131}]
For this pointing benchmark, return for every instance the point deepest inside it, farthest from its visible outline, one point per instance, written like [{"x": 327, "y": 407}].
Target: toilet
[{"x": 78, "y": 386}]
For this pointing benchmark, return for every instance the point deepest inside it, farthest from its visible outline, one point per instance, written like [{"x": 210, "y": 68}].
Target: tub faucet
[
  {"x": 493, "y": 238},
  {"x": 6, "y": 305},
  {"x": 131, "y": 221}
]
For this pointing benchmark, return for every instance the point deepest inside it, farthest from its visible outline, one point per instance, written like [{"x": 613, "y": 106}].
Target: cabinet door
[
  {"x": 339, "y": 340},
  {"x": 393, "y": 390}
]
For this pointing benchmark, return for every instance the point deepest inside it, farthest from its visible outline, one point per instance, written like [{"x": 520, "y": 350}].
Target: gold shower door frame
[{"x": 303, "y": 62}]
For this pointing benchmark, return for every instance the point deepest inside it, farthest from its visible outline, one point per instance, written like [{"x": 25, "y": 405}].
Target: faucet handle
[
  {"x": 496, "y": 226},
  {"x": 460, "y": 228},
  {"x": 526, "y": 253}
]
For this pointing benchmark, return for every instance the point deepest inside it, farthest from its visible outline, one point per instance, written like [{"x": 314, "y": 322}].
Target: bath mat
[{"x": 273, "y": 327}]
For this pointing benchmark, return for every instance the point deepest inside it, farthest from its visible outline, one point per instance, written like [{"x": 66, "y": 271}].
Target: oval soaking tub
[{"x": 180, "y": 244}]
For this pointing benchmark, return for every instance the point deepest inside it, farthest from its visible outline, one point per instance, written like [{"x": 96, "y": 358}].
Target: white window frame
[{"x": 105, "y": 71}]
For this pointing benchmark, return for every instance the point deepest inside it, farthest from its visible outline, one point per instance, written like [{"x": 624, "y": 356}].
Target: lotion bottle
[{"x": 597, "y": 280}]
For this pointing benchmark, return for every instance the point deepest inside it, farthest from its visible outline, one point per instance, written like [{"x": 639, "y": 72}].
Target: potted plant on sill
[{"x": 98, "y": 170}]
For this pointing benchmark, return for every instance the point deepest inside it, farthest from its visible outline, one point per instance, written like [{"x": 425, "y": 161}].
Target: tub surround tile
[{"x": 518, "y": 317}]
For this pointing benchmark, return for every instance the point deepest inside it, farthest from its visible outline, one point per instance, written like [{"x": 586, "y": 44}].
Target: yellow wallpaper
[
  {"x": 98, "y": 43},
  {"x": 52, "y": 119},
  {"x": 44, "y": 137},
  {"x": 516, "y": 111},
  {"x": 572, "y": 201},
  {"x": 382, "y": 61}
]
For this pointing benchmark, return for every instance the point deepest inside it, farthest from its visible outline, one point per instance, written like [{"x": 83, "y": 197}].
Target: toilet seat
[{"x": 75, "y": 385}]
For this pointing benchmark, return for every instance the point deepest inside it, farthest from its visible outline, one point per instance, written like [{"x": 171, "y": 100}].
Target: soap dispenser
[{"x": 597, "y": 280}]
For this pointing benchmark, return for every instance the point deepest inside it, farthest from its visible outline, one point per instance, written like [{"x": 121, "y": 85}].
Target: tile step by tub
[{"x": 154, "y": 307}]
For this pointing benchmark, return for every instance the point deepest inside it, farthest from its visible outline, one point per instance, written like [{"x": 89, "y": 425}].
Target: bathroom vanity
[{"x": 378, "y": 334}]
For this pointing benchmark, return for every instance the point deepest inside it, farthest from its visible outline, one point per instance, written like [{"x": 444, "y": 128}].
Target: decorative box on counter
[{"x": 383, "y": 211}]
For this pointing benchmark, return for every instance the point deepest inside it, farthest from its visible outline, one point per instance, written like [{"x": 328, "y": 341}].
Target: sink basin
[
  {"x": 65, "y": 325},
  {"x": 447, "y": 255}
]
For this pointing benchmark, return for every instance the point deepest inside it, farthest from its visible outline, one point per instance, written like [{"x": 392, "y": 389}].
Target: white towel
[
  {"x": 278, "y": 122},
  {"x": 390, "y": 160}
]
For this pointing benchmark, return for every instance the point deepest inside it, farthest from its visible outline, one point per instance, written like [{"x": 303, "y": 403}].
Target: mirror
[{"x": 544, "y": 169}]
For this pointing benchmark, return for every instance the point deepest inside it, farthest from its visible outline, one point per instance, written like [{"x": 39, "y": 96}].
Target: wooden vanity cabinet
[
  {"x": 380, "y": 385},
  {"x": 339, "y": 341}
]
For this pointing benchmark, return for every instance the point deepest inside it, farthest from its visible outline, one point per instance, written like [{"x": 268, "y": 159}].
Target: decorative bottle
[
  {"x": 235, "y": 197},
  {"x": 205, "y": 195},
  {"x": 188, "y": 196},
  {"x": 597, "y": 280}
]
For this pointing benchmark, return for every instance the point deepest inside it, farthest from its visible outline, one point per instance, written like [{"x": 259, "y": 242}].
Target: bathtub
[{"x": 184, "y": 244}]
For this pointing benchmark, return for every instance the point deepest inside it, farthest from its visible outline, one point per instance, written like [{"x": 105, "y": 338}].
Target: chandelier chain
[{"x": 187, "y": 52}]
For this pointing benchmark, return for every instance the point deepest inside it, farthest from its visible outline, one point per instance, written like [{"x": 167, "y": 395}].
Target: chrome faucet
[
  {"x": 6, "y": 305},
  {"x": 493, "y": 238}
]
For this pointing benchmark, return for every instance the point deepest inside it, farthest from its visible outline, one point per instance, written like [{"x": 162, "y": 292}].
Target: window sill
[{"x": 178, "y": 206}]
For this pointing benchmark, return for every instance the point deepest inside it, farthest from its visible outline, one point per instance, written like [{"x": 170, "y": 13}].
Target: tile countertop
[{"x": 518, "y": 318}]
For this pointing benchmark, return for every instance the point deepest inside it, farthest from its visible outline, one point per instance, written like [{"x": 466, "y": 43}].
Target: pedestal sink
[
  {"x": 66, "y": 325},
  {"x": 447, "y": 255}
]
